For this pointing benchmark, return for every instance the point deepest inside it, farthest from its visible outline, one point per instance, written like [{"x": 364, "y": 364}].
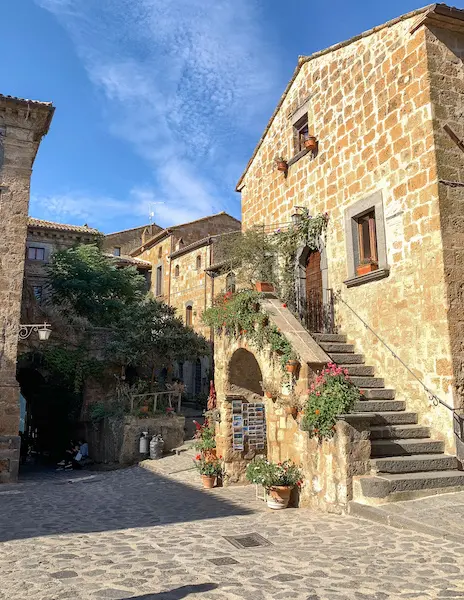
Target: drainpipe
[{"x": 170, "y": 269}]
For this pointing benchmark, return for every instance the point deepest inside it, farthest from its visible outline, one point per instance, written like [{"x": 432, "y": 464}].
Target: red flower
[
  {"x": 198, "y": 457},
  {"x": 284, "y": 305}
]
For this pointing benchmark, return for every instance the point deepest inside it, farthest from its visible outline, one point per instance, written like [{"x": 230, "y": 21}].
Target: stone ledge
[
  {"x": 372, "y": 276},
  {"x": 378, "y": 515}
]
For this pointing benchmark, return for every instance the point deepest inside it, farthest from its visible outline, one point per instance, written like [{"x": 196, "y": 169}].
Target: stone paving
[{"x": 152, "y": 534}]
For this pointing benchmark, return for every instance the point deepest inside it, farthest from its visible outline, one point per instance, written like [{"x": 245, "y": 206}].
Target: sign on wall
[{"x": 248, "y": 425}]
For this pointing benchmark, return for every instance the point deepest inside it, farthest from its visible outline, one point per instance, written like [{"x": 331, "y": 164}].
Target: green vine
[
  {"x": 71, "y": 366},
  {"x": 240, "y": 315}
]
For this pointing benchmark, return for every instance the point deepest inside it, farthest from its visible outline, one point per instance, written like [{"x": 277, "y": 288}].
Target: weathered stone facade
[
  {"x": 179, "y": 257},
  {"x": 125, "y": 242},
  {"x": 22, "y": 125},
  {"x": 377, "y": 105}
]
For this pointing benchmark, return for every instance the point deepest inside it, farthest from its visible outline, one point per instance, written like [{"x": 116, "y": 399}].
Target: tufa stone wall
[
  {"x": 328, "y": 467},
  {"x": 369, "y": 102},
  {"x": 22, "y": 125},
  {"x": 130, "y": 239}
]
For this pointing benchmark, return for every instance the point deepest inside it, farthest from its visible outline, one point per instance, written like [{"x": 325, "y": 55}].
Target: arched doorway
[
  {"x": 244, "y": 372},
  {"x": 314, "y": 292}
]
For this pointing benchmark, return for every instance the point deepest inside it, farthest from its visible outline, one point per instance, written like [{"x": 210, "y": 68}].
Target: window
[
  {"x": 300, "y": 133},
  {"x": 159, "y": 281},
  {"x": 37, "y": 290},
  {"x": 189, "y": 316},
  {"x": 116, "y": 251},
  {"x": 366, "y": 241},
  {"x": 198, "y": 263},
  {"x": 160, "y": 252},
  {"x": 230, "y": 283},
  {"x": 176, "y": 271},
  {"x": 36, "y": 253}
]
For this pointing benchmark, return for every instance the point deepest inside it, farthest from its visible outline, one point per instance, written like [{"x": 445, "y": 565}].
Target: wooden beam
[{"x": 459, "y": 143}]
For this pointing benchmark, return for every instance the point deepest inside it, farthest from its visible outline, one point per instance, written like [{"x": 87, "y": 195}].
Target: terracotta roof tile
[{"x": 41, "y": 224}]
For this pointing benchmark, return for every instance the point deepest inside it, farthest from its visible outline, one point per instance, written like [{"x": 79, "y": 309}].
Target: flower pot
[
  {"x": 291, "y": 410},
  {"x": 292, "y": 366},
  {"x": 208, "y": 481},
  {"x": 363, "y": 269},
  {"x": 144, "y": 409},
  {"x": 264, "y": 286},
  {"x": 268, "y": 395},
  {"x": 210, "y": 455},
  {"x": 278, "y": 496},
  {"x": 282, "y": 166},
  {"x": 311, "y": 143}
]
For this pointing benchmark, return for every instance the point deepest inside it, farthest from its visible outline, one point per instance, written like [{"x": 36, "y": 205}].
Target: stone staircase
[{"x": 406, "y": 462}]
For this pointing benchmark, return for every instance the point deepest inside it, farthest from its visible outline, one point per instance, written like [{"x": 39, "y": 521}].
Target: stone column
[{"x": 22, "y": 125}]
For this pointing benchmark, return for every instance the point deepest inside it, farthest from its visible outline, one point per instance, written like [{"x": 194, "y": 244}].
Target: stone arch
[{"x": 245, "y": 372}]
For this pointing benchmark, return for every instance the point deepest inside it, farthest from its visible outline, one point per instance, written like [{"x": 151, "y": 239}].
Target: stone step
[
  {"x": 337, "y": 348},
  {"x": 415, "y": 463},
  {"x": 401, "y": 447},
  {"x": 359, "y": 370},
  {"x": 379, "y": 406},
  {"x": 347, "y": 359},
  {"x": 329, "y": 337},
  {"x": 368, "y": 382},
  {"x": 400, "y": 431},
  {"x": 389, "y": 418},
  {"x": 377, "y": 393},
  {"x": 388, "y": 485}
]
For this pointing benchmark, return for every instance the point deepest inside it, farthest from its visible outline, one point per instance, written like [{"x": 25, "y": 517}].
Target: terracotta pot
[
  {"x": 292, "y": 366},
  {"x": 144, "y": 409},
  {"x": 264, "y": 286},
  {"x": 363, "y": 269},
  {"x": 311, "y": 143},
  {"x": 210, "y": 455},
  {"x": 291, "y": 410},
  {"x": 282, "y": 166},
  {"x": 208, "y": 481},
  {"x": 268, "y": 395},
  {"x": 278, "y": 496}
]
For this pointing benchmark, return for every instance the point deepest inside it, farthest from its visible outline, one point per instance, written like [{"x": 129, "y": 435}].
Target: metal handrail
[{"x": 436, "y": 400}]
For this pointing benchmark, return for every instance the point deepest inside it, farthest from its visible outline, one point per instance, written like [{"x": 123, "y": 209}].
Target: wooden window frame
[
  {"x": 299, "y": 137},
  {"x": 372, "y": 237},
  {"x": 189, "y": 315}
]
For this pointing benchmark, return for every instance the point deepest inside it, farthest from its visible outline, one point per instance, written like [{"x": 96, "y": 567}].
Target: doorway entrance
[{"x": 314, "y": 297}]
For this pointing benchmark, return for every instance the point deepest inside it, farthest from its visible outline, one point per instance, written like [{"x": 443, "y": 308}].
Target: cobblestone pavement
[{"x": 156, "y": 535}]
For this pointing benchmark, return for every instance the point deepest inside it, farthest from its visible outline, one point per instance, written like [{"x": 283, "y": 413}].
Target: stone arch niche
[{"x": 245, "y": 373}]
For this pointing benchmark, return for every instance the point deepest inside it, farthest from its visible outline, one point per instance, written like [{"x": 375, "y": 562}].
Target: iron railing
[
  {"x": 316, "y": 312},
  {"x": 458, "y": 413}
]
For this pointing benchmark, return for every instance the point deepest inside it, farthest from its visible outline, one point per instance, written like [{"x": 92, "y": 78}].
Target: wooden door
[{"x": 314, "y": 295}]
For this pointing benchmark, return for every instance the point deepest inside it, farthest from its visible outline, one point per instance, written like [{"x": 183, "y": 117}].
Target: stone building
[
  {"x": 23, "y": 123},
  {"x": 122, "y": 243},
  {"x": 180, "y": 257},
  {"x": 386, "y": 111}
]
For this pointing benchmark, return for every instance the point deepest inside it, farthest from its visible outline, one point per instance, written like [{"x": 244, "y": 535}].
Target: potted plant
[
  {"x": 271, "y": 390},
  {"x": 332, "y": 394},
  {"x": 292, "y": 366},
  {"x": 144, "y": 409},
  {"x": 291, "y": 403},
  {"x": 310, "y": 143},
  {"x": 209, "y": 470},
  {"x": 282, "y": 164},
  {"x": 277, "y": 478},
  {"x": 205, "y": 440},
  {"x": 366, "y": 266}
]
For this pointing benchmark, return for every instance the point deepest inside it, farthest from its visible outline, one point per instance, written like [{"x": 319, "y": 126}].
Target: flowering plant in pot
[
  {"x": 205, "y": 440},
  {"x": 277, "y": 478},
  {"x": 366, "y": 265},
  {"x": 310, "y": 142},
  {"x": 271, "y": 390},
  {"x": 209, "y": 470},
  {"x": 281, "y": 163},
  {"x": 332, "y": 394},
  {"x": 292, "y": 403}
]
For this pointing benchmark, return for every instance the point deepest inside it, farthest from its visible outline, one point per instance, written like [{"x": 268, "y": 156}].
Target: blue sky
[{"x": 159, "y": 103}]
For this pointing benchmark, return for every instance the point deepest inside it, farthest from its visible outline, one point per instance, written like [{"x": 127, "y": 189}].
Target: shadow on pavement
[
  {"x": 178, "y": 593},
  {"x": 111, "y": 501}
]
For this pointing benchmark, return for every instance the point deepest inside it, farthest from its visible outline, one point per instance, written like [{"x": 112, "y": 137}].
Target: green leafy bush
[
  {"x": 332, "y": 394},
  {"x": 268, "y": 474}
]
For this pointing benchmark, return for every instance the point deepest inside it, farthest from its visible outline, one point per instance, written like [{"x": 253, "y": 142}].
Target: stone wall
[
  {"x": 328, "y": 467},
  {"x": 445, "y": 53},
  {"x": 129, "y": 239},
  {"x": 115, "y": 440},
  {"x": 22, "y": 125},
  {"x": 369, "y": 104}
]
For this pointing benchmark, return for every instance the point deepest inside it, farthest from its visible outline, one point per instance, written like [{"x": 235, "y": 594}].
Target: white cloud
[{"x": 182, "y": 81}]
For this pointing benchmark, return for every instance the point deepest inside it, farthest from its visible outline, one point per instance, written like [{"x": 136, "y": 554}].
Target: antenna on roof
[{"x": 151, "y": 212}]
